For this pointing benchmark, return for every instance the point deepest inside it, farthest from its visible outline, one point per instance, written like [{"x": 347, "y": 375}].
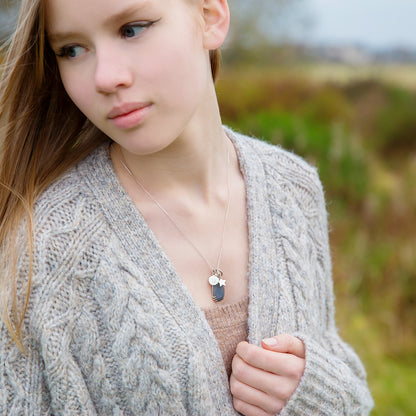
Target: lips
[{"x": 129, "y": 115}]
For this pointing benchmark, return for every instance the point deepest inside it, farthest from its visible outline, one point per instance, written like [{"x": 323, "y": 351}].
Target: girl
[{"x": 154, "y": 262}]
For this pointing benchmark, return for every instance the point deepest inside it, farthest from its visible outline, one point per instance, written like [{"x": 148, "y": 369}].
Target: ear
[{"x": 216, "y": 15}]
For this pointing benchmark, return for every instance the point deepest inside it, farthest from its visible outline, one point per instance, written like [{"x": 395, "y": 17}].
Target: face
[{"x": 137, "y": 69}]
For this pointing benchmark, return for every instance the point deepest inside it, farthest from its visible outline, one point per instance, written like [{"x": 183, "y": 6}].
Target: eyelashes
[
  {"x": 128, "y": 31},
  {"x": 131, "y": 30},
  {"x": 69, "y": 51}
]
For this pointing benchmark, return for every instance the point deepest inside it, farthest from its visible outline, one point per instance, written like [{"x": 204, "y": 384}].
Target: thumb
[{"x": 284, "y": 343}]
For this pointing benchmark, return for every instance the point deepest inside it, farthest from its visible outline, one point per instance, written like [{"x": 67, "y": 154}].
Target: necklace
[{"x": 216, "y": 280}]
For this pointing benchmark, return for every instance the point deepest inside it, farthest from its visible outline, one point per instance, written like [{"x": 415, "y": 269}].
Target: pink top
[{"x": 229, "y": 324}]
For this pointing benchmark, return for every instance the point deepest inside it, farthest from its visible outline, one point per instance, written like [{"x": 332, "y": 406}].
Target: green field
[{"x": 358, "y": 125}]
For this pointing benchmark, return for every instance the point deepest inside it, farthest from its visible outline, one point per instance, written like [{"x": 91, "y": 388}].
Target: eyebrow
[
  {"x": 126, "y": 13},
  {"x": 123, "y": 15}
]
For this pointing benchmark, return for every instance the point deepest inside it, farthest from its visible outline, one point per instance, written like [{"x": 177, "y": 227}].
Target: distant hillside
[{"x": 357, "y": 54}]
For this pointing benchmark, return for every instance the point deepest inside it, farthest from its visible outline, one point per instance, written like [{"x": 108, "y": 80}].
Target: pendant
[{"x": 218, "y": 285}]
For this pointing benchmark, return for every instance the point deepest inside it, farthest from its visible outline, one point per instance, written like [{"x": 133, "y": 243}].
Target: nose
[{"x": 111, "y": 72}]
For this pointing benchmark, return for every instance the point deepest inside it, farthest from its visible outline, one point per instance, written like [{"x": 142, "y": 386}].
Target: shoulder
[
  {"x": 70, "y": 236},
  {"x": 280, "y": 166},
  {"x": 68, "y": 200},
  {"x": 68, "y": 220}
]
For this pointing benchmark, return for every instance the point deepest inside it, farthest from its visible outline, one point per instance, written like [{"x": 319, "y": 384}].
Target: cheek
[
  {"x": 77, "y": 88},
  {"x": 180, "y": 69}
]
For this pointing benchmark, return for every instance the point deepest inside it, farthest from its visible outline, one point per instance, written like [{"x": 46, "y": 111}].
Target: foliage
[
  {"x": 253, "y": 25},
  {"x": 361, "y": 135},
  {"x": 8, "y": 11}
]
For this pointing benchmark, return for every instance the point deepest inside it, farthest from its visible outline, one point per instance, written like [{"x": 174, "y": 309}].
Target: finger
[
  {"x": 280, "y": 388},
  {"x": 285, "y": 343},
  {"x": 255, "y": 397},
  {"x": 248, "y": 409},
  {"x": 282, "y": 364}
]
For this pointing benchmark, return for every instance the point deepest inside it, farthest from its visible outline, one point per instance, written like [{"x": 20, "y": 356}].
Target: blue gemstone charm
[{"x": 218, "y": 292}]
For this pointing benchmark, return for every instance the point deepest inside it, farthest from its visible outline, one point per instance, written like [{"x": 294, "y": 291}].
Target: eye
[
  {"x": 133, "y": 30},
  {"x": 70, "y": 51}
]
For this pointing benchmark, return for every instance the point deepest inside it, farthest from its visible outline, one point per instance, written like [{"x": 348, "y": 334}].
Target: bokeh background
[{"x": 336, "y": 83}]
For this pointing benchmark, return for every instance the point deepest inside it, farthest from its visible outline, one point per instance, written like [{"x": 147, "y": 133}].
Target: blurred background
[{"x": 336, "y": 83}]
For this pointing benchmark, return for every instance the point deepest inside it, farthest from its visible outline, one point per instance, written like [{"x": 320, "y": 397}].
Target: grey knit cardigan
[{"x": 112, "y": 330}]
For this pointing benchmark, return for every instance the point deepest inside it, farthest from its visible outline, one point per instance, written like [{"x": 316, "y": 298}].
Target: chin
[{"x": 144, "y": 147}]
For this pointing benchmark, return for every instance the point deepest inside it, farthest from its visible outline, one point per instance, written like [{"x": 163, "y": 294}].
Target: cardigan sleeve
[
  {"x": 33, "y": 384},
  {"x": 43, "y": 380},
  {"x": 22, "y": 388},
  {"x": 334, "y": 381},
  {"x": 24, "y": 383}
]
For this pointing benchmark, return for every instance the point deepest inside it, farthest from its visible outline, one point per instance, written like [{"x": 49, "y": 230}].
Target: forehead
[{"x": 62, "y": 13}]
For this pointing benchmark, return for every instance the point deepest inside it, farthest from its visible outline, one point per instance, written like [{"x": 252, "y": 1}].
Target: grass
[{"x": 392, "y": 378}]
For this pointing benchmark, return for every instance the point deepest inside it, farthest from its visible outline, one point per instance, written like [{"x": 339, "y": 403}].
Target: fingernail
[{"x": 271, "y": 342}]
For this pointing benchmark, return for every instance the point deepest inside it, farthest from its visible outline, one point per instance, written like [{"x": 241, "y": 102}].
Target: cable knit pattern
[{"x": 112, "y": 330}]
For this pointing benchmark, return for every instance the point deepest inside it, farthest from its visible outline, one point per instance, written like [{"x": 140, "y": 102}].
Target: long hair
[{"x": 42, "y": 134}]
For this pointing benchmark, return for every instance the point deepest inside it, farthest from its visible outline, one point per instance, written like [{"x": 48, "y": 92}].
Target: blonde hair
[{"x": 42, "y": 134}]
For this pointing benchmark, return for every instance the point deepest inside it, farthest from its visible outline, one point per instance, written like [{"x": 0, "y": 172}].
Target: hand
[{"x": 263, "y": 379}]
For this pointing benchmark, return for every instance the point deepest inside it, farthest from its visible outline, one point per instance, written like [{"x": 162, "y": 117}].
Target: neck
[{"x": 194, "y": 164}]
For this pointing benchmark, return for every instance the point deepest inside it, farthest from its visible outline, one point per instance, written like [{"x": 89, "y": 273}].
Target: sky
[{"x": 373, "y": 23}]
